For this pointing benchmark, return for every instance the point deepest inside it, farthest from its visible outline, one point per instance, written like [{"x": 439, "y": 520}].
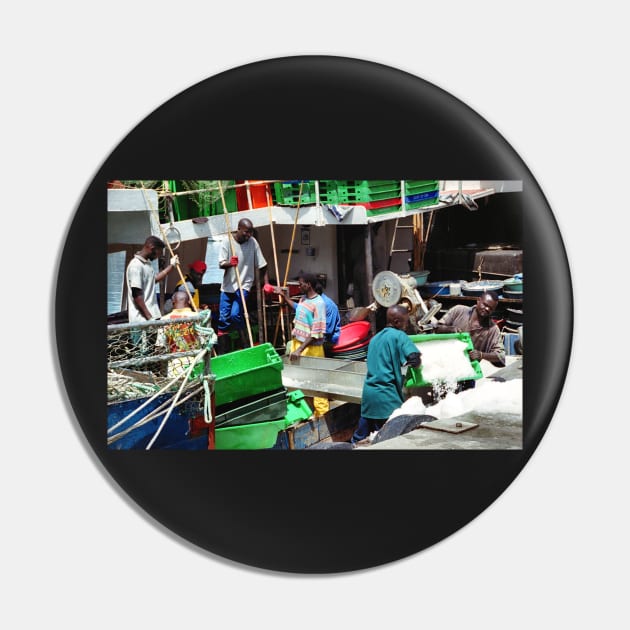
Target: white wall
[{"x": 323, "y": 239}]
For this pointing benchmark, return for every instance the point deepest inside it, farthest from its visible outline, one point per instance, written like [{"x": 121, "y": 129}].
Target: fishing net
[{"x": 145, "y": 357}]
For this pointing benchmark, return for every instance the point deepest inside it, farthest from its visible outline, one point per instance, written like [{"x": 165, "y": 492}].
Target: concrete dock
[{"x": 494, "y": 431}]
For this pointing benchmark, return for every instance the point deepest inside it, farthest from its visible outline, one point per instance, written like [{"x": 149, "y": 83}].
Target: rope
[
  {"x": 206, "y": 333},
  {"x": 176, "y": 397},
  {"x": 216, "y": 188},
  {"x": 207, "y": 401},
  {"x": 144, "y": 404},
  {"x": 153, "y": 414},
  {"x": 210, "y": 339}
]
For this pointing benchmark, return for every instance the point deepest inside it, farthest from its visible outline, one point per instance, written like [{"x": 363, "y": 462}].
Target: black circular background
[{"x": 312, "y": 117}]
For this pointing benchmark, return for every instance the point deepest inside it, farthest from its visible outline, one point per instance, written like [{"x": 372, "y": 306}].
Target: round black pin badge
[{"x": 324, "y": 368}]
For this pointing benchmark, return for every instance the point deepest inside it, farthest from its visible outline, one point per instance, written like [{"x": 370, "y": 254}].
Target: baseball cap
[{"x": 199, "y": 266}]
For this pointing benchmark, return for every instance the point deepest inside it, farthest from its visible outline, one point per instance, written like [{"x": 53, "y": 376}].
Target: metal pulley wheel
[
  {"x": 386, "y": 288},
  {"x": 178, "y": 237}
]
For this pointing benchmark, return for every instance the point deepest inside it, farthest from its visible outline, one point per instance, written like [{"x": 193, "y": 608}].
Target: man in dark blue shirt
[{"x": 333, "y": 322}]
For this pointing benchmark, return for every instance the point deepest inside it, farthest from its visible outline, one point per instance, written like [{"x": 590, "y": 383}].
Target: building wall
[{"x": 322, "y": 239}]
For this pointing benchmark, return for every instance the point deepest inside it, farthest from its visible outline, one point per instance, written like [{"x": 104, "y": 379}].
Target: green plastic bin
[
  {"x": 264, "y": 409},
  {"x": 414, "y": 375},
  {"x": 245, "y": 373},
  {"x": 262, "y": 435}
]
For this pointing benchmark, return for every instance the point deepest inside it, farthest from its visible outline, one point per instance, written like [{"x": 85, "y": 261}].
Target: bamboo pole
[
  {"x": 427, "y": 234},
  {"x": 275, "y": 262},
  {"x": 238, "y": 275},
  {"x": 182, "y": 193},
  {"x": 297, "y": 213},
  {"x": 260, "y": 305},
  {"x": 286, "y": 271},
  {"x": 264, "y": 317},
  {"x": 250, "y": 205},
  {"x": 369, "y": 268}
]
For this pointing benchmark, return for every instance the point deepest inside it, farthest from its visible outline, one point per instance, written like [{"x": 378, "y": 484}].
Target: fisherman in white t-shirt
[
  {"x": 238, "y": 250},
  {"x": 141, "y": 278}
]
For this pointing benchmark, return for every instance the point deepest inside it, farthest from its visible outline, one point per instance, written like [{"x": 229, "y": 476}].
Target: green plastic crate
[
  {"x": 264, "y": 409},
  {"x": 413, "y": 187},
  {"x": 245, "y": 373},
  {"x": 397, "y": 206},
  {"x": 375, "y": 212},
  {"x": 414, "y": 375},
  {"x": 297, "y": 407},
  {"x": 263, "y": 435},
  {"x": 364, "y": 191},
  {"x": 249, "y": 436},
  {"x": 431, "y": 200},
  {"x": 288, "y": 193}
]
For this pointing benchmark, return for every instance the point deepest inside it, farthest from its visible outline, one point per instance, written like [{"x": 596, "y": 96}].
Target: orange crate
[{"x": 259, "y": 192}]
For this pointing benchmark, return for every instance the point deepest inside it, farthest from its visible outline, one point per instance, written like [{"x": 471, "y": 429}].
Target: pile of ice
[
  {"x": 445, "y": 361},
  {"x": 487, "y": 398}
]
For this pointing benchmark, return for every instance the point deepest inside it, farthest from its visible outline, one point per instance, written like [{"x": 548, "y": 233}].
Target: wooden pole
[
  {"x": 264, "y": 317},
  {"x": 297, "y": 212},
  {"x": 286, "y": 272},
  {"x": 259, "y": 305},
  {"x": 250, "y": 205},
  {"x": 238, "y": 275},
  {"x": 369, "y": 267},
  {"x": 275, "y": 262}
]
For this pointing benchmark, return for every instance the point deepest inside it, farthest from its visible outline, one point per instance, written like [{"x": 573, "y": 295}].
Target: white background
[{"x": 552, "y": 551}]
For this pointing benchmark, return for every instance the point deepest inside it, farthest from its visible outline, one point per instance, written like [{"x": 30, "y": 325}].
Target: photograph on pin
[{"x": 315, "y": 314}]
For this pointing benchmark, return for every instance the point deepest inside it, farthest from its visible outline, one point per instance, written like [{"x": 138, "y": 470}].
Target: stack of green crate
[
  {"x": 374, "y": 194},
  {"x": 377, "y": 190},
  {"x": 379, "y": 196},
  {"x": 421, "y": 193},
  {"x": 331, "y": 192},
  {"x": 263, "y": 435}
]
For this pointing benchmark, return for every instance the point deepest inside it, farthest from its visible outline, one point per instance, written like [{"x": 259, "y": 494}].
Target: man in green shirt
[{"x": 388, "y": 352}]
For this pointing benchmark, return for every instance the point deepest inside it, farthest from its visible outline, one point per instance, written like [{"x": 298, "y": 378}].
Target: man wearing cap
[
  {"x": 239, "y": 250},
  {"x": 193, "y": 280}
]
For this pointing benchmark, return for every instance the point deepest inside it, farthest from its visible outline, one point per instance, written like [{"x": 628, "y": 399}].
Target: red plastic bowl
[{"x": 352, "y": 335}]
